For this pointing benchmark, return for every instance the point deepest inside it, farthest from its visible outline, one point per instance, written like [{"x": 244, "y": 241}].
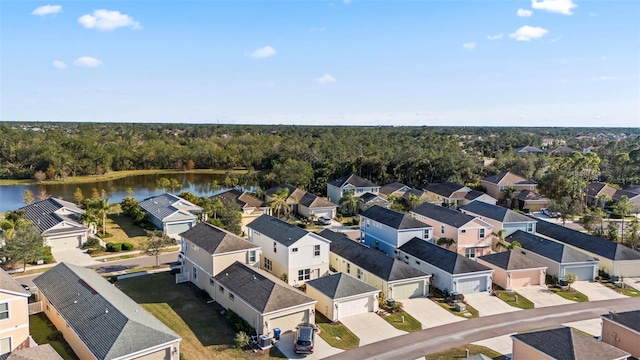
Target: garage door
[
  {"x": 472, "y": 285},
  {"x": 288, "y": 322},
  {"x": 354, "y": 307},
  {"x": 174, "y": 229},
  {"x": 583, "y": 273},
  {"x": 408, "y": 290},
  {"x": 523, "y": 280},
  {"x": 70, "y": 242},
  {"x": 323, "y": 213}
]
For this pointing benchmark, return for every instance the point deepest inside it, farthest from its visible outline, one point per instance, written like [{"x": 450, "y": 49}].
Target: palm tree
[
  {"x": 279, "y": 201},
  {"x": 446, "y": 242},
  {"x": 413, "y": 201},
  {"x": 349, "y": 203},
  {"x": 509, "y": 194},
  {"x": 508, "y": 247},
  {"x": 500, "y": 236}
]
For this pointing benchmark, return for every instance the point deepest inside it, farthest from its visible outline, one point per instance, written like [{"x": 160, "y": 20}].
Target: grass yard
[
  {"x": 40, "y": 328},
  {"x": 626, "y": 290},
  {"x": 459, "y": 353},
  {"x": 205, "y": 333},
  {"x": 509, "y": 298},
  {"x": 410, "y": 324},
  {"x": 336, "y": 334},
  {"x": 452, "y": 309},
  {"x": 572, "y": 294},
  {"x": 122, "y": 229}
]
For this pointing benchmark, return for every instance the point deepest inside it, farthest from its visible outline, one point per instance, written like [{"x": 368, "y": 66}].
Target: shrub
[
  {"x": 355, "y": 221},
  {"x": 242, "y": 339},
  {"x": 104, "y": 236},
  {"x": 97, "y": 250},
  {"x": 55, "y": 336},
  {"x": 114, "y": 247},
  {"x": 127, "y": 246},
  {"x": 91, "y": 243},
  {"x": 239, "y": 324},
  {"x": 302, "y": 225},
  {"x": 113, "y": 278}
]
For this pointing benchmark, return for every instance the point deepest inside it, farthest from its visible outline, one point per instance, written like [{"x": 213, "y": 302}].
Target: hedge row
[{"x": 117, "y": 247}]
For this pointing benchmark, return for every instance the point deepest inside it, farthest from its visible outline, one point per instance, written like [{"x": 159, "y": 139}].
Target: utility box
[
  {"x": 461, "y": 307},
  {"x": 264, "y": 341}
]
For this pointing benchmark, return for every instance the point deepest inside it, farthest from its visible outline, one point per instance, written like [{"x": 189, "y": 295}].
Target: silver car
[{"x": 304, "y": 340}]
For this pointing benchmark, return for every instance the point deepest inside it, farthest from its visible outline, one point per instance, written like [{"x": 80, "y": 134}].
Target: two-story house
[
  {"x": 288, "y": 251},
  {"x": 500, "y": 218},
  {"x": 250, "y": 206},
  {"x": 352, "y": 183},
  {"x": 472, "y": 235},
  {"x": 172, "y": 214},
  {"x": 598, "y": 193},
  {"x": 496, "y": 184},
  {"x": 207, "y": 250},
  {"x": 454, "y": 195},
  {"x": 622, "y": 330},
  {"x": 14, "y": 315},
  {"x": 386, "y": 230}
]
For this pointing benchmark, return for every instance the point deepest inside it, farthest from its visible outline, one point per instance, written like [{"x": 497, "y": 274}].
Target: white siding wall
[{"x": 266, "y": 243}]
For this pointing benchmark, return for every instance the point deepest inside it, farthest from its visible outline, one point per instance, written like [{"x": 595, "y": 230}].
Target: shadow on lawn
[
  {"x": 124, "y": 223},
  {"x": 101, "y": 269}
]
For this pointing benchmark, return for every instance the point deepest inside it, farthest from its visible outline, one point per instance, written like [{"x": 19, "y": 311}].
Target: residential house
[
  {"x": 615, "y": 258},
  {"x": 447, "y": 194},
  {"x": 370, "y": 200},
  {"x": 59, "y": 223},
  {"x": 598, "y": 193},
  {"x": 622, "y": 330},
  {"x": 529, "y": 150},
  {"x": 450, "y": 270},
  {"x": 393, "y": 277},
  {"x": 395, "y": 189},
  {"x": 352, "y": 183},
  {"x": 500, "y": 218},
  {"x": 264, "y": 301},
  {"x": 305, "y": 203},
  {"x": 496, "y": 184},
  {"x": 98, "y": 320},
  {"x": 562, "y": 343},
  {"x": 559, "y": 258},
  {"x": 14, "y": 315},
  {"x": 561, "y": 150},
  {"x": 512, "y": 269},
  {"x": 40, "y": 352},
  {"x": 250, "y": 206},
  {"x": 472, "y": 235},
  {"x": 289, "y": 251},
  {"x": 172, "y": 214},
  {"x": 207, "y": 250},
  {"x": 531, "y": 201},
  {"x": 340, "y": 295},
  {"x": 386, "y": 230}
]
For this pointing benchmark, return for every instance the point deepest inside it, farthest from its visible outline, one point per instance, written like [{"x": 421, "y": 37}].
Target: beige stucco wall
[
  {"x": 526, "y": 278},
  {"x": 199, "y": 256},
  {"x": 340, "y": 264},
  {"x": 308, "y": 317},
  {"x": 524, "y": 352},
  {"x": 223, "y": 261},
  {"x": 494, "y": 190},
  {"x": 238, "y": 306},
  {"x": 621, "y": 337},
  {"x": 17, "y": 325},
  {"x": 324, "y": 305}
]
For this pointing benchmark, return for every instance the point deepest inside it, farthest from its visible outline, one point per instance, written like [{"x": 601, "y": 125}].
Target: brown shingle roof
[{"x": 508, "y": 178}]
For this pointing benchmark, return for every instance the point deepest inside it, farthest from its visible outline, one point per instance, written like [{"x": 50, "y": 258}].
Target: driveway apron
[
  {"x": 429, "y": 313},
  {"x": 542, "y": 297},
  {"x": 596, "y": 291},
  {"x": 487, "y": 304},
  {"x": 370, "y": 328}
]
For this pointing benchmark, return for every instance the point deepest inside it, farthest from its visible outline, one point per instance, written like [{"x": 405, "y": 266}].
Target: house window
[
  {"x": 481, "y": 233},
  {"x": 463, "y": 231},
  {"x": 231, "y": 297},
  {"x": 359, "y": 274},
  {"x": 348, "y": 268},
  {"x": 211, "y": 281},
  {"x": 221, "y": 289},
  {"x": 417, "y": 262},
  {"x": 441, "y": 229},
  {"x": 501, "y": 188},
  {"x": 426, "y": 234},
  {"x": 470, "y": 253},
  {"x": 195, "y": 273},
  {"x": 251, "y": 256},
  {"x": 304, "y": 274},
  {"x": 5, "y": 346},
  {"x": 530, "y": 227},
  {"x": 368, "y": 223},
  {"x": 267, "y": 264},
  {"x": 4, "y": 311},
  {"x": 316, "y": 250},
  {"x": 294, "y": 250},
  {"x": 275, "y": 247}
]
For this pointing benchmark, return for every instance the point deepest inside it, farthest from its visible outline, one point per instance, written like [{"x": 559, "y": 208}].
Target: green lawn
[
  {"x": 626, "y": 290},
  {"x": 336, "y": 334},
  {"x": 205, "y": 333},
  {"x": 410, "y": 324},
  {"x": 572, "y": 294},
  {"x": 459, "y": 353},
  {"x": 40, "y": 328},
  {"x": 452, "y": 309},
  {"x": 510, "y": 298},
  {"x": 124, "y": 230}
]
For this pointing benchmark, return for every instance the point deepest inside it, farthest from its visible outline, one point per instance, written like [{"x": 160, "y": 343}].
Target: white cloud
[
  {"x": 47, "y": 10},
  {"x": 469, "y": 46},
  {"x": 263, "y": 52},
  {"x": 87, "y": 61},
  {"x": 555, "y": 6},
  {"x": 495, "y": 37},
  {"x": 326, "y": 78},
  {"x": 107, "y": 20},
  {"x": 603, "y": 78},
  {"x": 58, "y": 64},
  {"x": 528, "y": 33},
  {"x": 524, "y": 13}
]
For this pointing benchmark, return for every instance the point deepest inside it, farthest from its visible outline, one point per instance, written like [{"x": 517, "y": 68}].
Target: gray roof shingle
[
  {"x": 445, "y": 189},
  {"x": 280, "y": 231},
  {"x": 394, "y": 219},
  {"x": 444, "y": 259},
  {"x": 259, "y": 289},
  {"x": 512, "y": 260},
  {"x": 42, "y": 213},
  {"x": 375, "y": 262},
  {"x": 371, "y": 197},
  {"x": 162, "y": 206},
  {"x": 338, "y": 286},
  {"x": 107, "y": 321},
  {"x": 40, "y": 352},
  {"x": 550, "y": 249},
  {"x": 352, "y": 179},
  {"x": 10, "y": 284},
  {"x": 215, "y": 240},
  {"x": 495, "y": 212},
  {"x": 443, "y": 214},
  {"x": 240, "y": 197},
  {"x": 630, "y": 319}
]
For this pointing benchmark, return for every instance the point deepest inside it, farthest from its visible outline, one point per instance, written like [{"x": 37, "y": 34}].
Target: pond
[{"x": 143, "y": 186}]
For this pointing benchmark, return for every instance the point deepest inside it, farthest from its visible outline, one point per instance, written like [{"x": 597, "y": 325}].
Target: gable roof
[
  {"x": 215, "y": 240},
  {"x": 313, "y": 201},
  {"x": 164, "y": 205},
  {"x": 446, "y": 189},
  {"x": 43, "y": 213},
  {"x": 294, "y": 192},
  {"x": 373, "y": 261},
  {"x": 340, "y": 285},
  {"x": 495, "y": 212},
  {"x": 630, "y": 319},
  {"x": 565, "y": 343},
  {"x": 590, "y": 243},
  {"x": 529, "y": 149},
  {"x": 107, "y": 321},
  {"x": 260, "y": 290},
  {"x": 240, "y": 197},
  {"x": 527, "y": 195},
  {"x": 9, "y": 284},
  {"x": 442, "y": 258},
  {"x": 389, "y": 189},
  {"x": 474, "y": 194},
  {"x": 394, "y": 219},
  {"x": 352, "y": 179},
  {"x": 550, "y": 249},
  {"x": 595, "y": 189},
  {"x": 512, "y": 260},
  {"x": 40, "y": 352},
  {"x": 443, "y": 214},
  {"x": 371, "y": 197},
  {"x": 278, "y": 230},
  {"x": 508, "y": 178},
  {"x": 562, "y": 149}
]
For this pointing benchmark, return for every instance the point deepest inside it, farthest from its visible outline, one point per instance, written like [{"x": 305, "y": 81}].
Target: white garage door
[
  {"x": 408, "y": 290},
  {"x": 288, "y": 322},
  {"x": 174, "y": 229},
  {"x": 69, "y": 242},
  {"x": 472, "y": 285},
  {"x": 354, "y": 307},
  {"x": 583, "y": 273}
]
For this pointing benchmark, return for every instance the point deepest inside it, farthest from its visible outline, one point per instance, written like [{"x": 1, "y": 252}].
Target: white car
[{"x": 324, "y": 220}]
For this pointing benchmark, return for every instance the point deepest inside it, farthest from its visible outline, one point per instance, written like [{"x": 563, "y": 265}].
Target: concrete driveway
[
  {"x": 370, "y": 328},
  {"x": 429, "y": 313},
  {"x": 74, "y": 256},
  {"x": 487, "y": 304},
  {"x": 596, "y": 291},
  {"x": 321, "y": 349},
  {"x": 592, "y": 326},
  {"x": 634, "y": 282},
  {"x": 502, "y": 344},
  {"x": 541, "y": 296}
]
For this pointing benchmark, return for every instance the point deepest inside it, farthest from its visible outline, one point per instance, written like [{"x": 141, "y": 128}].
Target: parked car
[
  {"x": 324, "y": 220},
  {"x": 304, "y": 340},
  {"x": 26, "y": 287},
  {"x": 549, "y": 213}
]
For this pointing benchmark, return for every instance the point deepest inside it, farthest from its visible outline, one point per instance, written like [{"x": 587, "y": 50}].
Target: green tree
[
  {"x": 633, "y": 236},
  {"x": 508, "y": 247},
  {"x": 229, "y": 218},
  {"x": 25, "y": 246},
  {"x": 349, "y": 203},
  {"x": 510, "y": 194},
  {"x": 612, "y": 231},
  {"x": 279, "y": 202},
  {"x": 129, "y": 192},
  {"x": 78, "y": 197},
  {"x": 413, "y": 201},
  {"x": 446, "y": 242},
  {"x": 156, "y": 241},
  {"x": 570, "y": 278},
  {"x": 163, "y": 183},
  {"x": 294, "y": 172},
  {"x": 621, "y": 208},
  {"x": 174, "y": 184},
  {"x": 28, "y": 196}
]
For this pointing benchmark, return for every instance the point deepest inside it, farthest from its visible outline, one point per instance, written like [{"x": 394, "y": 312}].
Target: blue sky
[{"x": 502, "y": 63}]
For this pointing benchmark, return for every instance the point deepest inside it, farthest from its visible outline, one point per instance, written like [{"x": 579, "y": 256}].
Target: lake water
[{"x": 144, "y": 186}]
